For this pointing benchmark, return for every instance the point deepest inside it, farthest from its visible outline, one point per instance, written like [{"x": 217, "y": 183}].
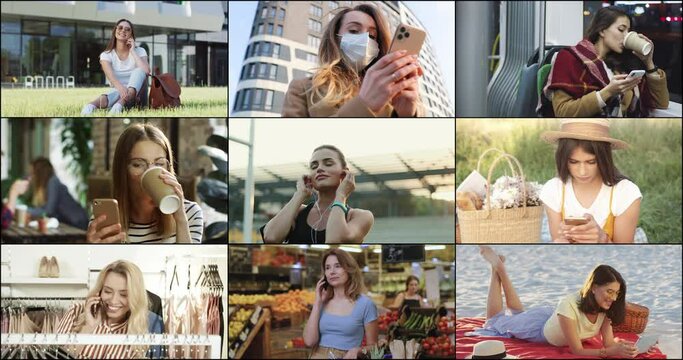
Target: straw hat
[
  {"x": 490, "y": 349},
  {"x": 584, "y": 129}
]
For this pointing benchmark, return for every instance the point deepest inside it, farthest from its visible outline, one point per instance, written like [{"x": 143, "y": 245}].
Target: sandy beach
[{"x": 542, "y": 274}]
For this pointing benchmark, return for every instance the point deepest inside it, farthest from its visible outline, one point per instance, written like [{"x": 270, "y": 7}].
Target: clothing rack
[{"x": 212, "y": 341}]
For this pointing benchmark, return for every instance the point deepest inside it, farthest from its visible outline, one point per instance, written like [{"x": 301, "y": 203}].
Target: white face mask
[{"x": 359, "y": 49}]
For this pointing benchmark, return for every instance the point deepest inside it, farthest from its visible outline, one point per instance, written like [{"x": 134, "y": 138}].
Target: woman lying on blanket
[{"x": 578, "y": 316}]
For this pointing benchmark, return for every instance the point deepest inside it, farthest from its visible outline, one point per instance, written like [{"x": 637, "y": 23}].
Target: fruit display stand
[
  {"x": 253, "y": 341},
  {"x": 430, "y": 326}
]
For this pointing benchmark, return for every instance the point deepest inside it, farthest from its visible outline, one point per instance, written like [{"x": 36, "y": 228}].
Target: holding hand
[
  {"x": 620, "y": 84},
  {"x": 386, "y": 78},
  {"x": 304, "y": 187},
  {"x": 113, "y": 233},
  {"x": 590, "y": 232},
  {"x": 130, "y": 43},
  {"x": 647, "y": 59},
  {"x": 346, "y": 187},
  {"x": 93, "y": 305},
  {"x": 169, "y": 179},
  {"x": 321, "y": 291},
  {"x": 623, "y": 349}
]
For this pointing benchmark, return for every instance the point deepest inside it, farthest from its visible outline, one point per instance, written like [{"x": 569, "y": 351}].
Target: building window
[
  {"x": 272, "y": 12},
  {"x": 332, "y": 5},
  {"x": 273, "y": 72},
  {"x": 258, "y": 98},
  {"x": 279, "y": 30},
  {"x": 276, "y": 51},
  {"x": 256, "y": 49},
  {"x": 242, "y": 73},
  {"x": 262, "y": 71},
  {"x": 264, "y": 13},
  {"x": 314, "y": 25},
  {"x": 281, "y": 14},
  {"x": 313, "y": 41},
  {"x": 245, "y": 99},
  {"x": 269, "y": 100},
  {"x": 312, "y": 58},
  {"x": 315, "y": 10},
  {"x": 270, "y": 29},
  {"x": 252, "y": 70},
  {"x": 265, "y": 49},
  {"x": 260, "y": 29}
]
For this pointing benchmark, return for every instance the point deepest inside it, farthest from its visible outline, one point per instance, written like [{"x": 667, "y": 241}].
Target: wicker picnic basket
[
  {"x": 635, "y": 320},
  {"x": 516, "y": 225}
]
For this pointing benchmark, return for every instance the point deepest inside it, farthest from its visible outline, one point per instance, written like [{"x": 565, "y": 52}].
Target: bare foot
[{"x": 489, "y": 255}]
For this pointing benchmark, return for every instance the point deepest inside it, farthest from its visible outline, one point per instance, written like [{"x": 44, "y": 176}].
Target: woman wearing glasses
[
  {"x": 126, "y": 68},
  {"x": 139, "y": 147}
]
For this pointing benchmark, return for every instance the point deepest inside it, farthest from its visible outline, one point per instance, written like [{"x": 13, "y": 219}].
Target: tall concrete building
[
  {"x": 65, "y": 38},
  {"x": 283, "y": 46}
]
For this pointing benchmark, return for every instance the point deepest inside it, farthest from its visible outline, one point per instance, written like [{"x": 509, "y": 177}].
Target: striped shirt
[
  {"x": 148, "y": 233},
  {"x": 96, "y": 351}
]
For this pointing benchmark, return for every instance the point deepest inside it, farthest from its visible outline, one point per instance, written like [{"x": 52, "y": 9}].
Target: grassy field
[
  {"x": 653, "y": 161},
  {"x": 196, "y": 102}
]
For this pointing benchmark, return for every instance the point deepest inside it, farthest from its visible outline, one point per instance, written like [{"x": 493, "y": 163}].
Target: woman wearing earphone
[
  {"x": 356, "y": 76},
  {"x": 328, "y": 219}
]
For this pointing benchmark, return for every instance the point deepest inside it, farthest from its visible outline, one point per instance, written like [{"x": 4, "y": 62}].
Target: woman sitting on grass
[
  {"x": 126, "y": 68},
  {"x": 589, "y": 186},
  {"x": 600, "y": 304}
]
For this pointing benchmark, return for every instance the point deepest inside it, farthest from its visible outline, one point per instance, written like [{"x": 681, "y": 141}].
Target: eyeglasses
[
  {"x": 122, "y": 28},
  {"x": 139, "y": 166}
]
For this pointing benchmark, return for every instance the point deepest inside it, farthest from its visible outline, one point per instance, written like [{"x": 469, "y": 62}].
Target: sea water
[{"x": 543, "y": 274}]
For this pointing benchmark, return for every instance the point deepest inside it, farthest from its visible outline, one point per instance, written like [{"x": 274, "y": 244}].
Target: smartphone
[
  {"x": 325, "y": 283},
  {"x": 636, "y": 74},
  {"x": 645, "y": 343},
  {"x": 407, "y": 38},
  {"x": 575, "y": 221},
  {"x": 109, "y": 207},
  {"x": 97, "y": 306}
]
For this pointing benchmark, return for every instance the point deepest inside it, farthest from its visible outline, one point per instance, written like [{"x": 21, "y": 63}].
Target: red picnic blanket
[{"x": 531, "y": 350}]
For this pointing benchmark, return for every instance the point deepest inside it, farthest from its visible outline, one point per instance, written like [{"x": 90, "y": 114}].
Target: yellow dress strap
[
  {"x": 562, "y": 203},
  {"x": 609, "y": 224}
]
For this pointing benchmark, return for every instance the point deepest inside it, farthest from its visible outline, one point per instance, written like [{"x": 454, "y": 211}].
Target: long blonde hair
[
  {"x": 131, "y": 136},
  {"x": 137, "y": 297},
  {"x": 334, "y": 82},
  {"x": 354, "y": 285}
]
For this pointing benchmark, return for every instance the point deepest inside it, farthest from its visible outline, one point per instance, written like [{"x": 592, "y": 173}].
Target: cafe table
[{"x": 63, "y": 234}]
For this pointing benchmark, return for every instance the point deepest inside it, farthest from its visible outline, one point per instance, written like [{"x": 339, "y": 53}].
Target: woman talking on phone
[
  {"x": 125, "y": 66},
  {"x": 357, "y": 77},
  {"x": 117, "y": 304},
  {"x": 341, "y": 314},
  {"x": 140, "y": 147},
  {"x": 328, "y": 219}
]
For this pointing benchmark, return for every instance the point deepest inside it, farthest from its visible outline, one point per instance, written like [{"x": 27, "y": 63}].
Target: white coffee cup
[
  {"x": 164, "y": 195},
  {"x": 20, "y": 211},
  {"x": 634, "y": 42}
]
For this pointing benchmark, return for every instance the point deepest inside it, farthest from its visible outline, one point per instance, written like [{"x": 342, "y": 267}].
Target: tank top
[{"x": 608, "y": 228}]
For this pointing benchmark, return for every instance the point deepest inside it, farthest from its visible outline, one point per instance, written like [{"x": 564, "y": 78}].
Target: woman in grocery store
[
  {"x": 600, "y": 305},
  {"x": 117, "y": 304},
  {"x": 328, "y": 219},
  {"x": 357, "y": 76},
  {"x": 341, "y": 313},
  {"x": 139, "y": 147},
  {"x": 410, "y": 297}
]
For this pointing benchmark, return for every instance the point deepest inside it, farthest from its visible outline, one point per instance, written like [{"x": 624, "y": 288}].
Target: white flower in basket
[{"x": 508, "y": 192}]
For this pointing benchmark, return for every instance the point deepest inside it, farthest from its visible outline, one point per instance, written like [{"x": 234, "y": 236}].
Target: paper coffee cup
[
  {"x": 634, "y": 42},
  {"x": 163, "y": 194},
  {"x": 20, "y": 212}
]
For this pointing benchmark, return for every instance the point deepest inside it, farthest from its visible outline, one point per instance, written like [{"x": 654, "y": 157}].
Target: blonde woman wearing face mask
[{"x": 356, "y": 77}]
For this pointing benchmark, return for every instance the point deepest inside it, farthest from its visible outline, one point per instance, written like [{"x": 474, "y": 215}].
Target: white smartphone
[
  {"x": 646, "y": 342},
  {"x": 636, "y": 74}
]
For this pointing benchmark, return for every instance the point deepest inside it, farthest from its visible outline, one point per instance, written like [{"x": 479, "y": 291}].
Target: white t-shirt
[
  {"x": 122, "y": 69},
  {"x": 625, "y": 193},
  {"x": 568, "y": 307}
]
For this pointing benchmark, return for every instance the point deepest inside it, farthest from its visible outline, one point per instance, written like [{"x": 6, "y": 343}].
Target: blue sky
[{"x": 437, "y": 17}]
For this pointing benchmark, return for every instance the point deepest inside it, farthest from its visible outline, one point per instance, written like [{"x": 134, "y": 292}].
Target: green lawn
[
  {"x": 196, "y": 102},
  {"x": 653, "y": 161}
]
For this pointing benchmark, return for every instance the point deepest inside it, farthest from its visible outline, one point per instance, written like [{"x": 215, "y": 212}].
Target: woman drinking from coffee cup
[
  {"x": 582, "y": 84},
  {"x": 147, "y": 212},
  {"x": 327, "y": 219}
]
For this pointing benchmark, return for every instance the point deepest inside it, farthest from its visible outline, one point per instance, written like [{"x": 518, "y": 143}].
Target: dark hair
[
  {"x": 603, "y": 19},
  {"x": 601, "y": 275},
  {"x": 623, "y": 63},
  {"x": 342, "y": 158},
  {"x": 603, "y": 154},
  {"x": 42, "y": 172},
  {"x": 112, "y": 41},
  {"x": 411, "y": 278}
]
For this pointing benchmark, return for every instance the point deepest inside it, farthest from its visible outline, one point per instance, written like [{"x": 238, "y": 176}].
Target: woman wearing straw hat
[
  {"x": 600, "y": 304},
  {"x": 589, "y": 186}
]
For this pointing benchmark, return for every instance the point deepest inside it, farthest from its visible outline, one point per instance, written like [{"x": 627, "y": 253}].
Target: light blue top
[{"x": 346, "y": 332}]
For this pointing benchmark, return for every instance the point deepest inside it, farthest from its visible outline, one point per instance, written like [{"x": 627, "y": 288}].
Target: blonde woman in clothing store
[
  {"x": 341, "y": 314},
  {"x": 589, "y": 186},
  {"x": 117, "y": 304},
  {"x": 139, "y": 147}
]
